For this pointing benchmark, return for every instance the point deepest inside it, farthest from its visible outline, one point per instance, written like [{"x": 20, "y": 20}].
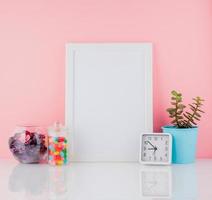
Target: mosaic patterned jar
[{"x": 29, "y": 144}]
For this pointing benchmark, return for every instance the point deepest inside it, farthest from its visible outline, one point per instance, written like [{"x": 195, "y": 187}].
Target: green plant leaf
[
  {"x": 181, "y": 106},
  {"x": 173, "y": 92},
  {"x": 174, "y": 121},
  {"x": 191, "y": 106},
  {"x": 197, "y": 114},
  {"x": 178, "y": 98},
  {"x": 200, "y": 111},
  {"x": 193, "y": 122},
  {"x": 184, "y": 121},
  {"x": 194, "y": 110},
  {"x": 196, "y": 118},
  {"x": 198, "y": 99},
  {"x": 171, "y": 110},
  {"x": 189, "y": 113},
  {"x": 186, "y": 116}
]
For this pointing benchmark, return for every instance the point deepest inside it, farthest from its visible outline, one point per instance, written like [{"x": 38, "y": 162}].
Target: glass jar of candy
[
  {"x": 57, "y": 141},
  {"x": 29, "y": 144}
]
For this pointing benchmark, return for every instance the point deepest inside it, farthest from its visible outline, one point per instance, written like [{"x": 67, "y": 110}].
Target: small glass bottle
[{"x": 58, "y": 147}]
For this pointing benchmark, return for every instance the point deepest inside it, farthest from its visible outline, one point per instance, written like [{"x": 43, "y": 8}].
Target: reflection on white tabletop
[
  {"x": 57, "y": 181},
  {"x": 39, "y": 182},
  {"x": 156, "y": 182},
  {"x": 184, "y": 178},
  {"x": 176, "y": 182},
  {"x": 29, "y": 181},
  {"x": 106, "y": 181}
]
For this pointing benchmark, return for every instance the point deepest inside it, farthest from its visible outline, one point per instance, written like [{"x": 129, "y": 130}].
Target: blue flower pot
[{"x": 184, "y": 143}]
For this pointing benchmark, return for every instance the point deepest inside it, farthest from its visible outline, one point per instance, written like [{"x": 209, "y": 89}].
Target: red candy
[
  {"x": 61, "y": 139},
  {"x": 58, "y": 148},
  {"x": 57, "y": 157}
]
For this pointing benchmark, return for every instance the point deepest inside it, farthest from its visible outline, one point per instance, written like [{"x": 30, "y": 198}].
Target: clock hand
[
  {"x": 155, "y": 149},
  {"x": 151, "y": 148},
  {"x": 151, "y": 144}
]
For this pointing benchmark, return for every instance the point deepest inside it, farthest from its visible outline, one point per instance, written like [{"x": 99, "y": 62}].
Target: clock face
[{"x": 156, "y": 148}]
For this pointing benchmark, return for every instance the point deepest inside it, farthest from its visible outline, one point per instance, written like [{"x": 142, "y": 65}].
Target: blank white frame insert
[{"x": 108, "y": 99}]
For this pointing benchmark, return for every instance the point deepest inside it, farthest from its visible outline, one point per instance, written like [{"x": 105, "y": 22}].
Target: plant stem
[
  {"x": 178, "y": 124},
  {"x": 192, "y": 116}
]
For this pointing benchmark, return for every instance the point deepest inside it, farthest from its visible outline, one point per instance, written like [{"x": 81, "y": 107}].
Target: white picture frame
[
  {"x": 92, "y": 66},
  {"x": 158, "y": 162}
]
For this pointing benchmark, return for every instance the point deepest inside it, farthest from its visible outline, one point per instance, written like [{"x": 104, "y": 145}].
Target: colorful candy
[
  {"x": 57, "y": 144},
  {"x": 57, "y": 150}
]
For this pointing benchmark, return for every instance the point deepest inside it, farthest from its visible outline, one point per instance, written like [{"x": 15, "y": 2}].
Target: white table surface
[{"x": 105, "y": 181}]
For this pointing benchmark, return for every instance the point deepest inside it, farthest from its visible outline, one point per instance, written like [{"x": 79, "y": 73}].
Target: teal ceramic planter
[{"x": 184, "y": 143}]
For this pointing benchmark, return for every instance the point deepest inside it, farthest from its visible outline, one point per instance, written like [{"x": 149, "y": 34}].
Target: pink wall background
[{"x": 32, "y": 54}]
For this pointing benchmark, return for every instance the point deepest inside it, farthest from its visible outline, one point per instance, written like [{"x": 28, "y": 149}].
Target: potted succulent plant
[{"x": 184, "y": 128}]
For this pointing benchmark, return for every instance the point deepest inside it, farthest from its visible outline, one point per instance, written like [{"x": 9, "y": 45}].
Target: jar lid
[{"x": 58, "y": 129}]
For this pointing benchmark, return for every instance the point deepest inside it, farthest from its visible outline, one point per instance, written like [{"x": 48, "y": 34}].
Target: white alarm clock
[{"x": 156, "y": 148}]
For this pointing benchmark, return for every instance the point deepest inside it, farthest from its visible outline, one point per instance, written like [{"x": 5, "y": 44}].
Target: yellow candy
[
  {"x": 59, "y": 162},
  {"x": 56, "y": 153}
]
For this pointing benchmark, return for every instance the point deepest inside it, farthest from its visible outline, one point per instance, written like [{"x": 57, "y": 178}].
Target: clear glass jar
[
  {"x": 29, "y": 144},
  {"x": 58, "y": 144}
]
